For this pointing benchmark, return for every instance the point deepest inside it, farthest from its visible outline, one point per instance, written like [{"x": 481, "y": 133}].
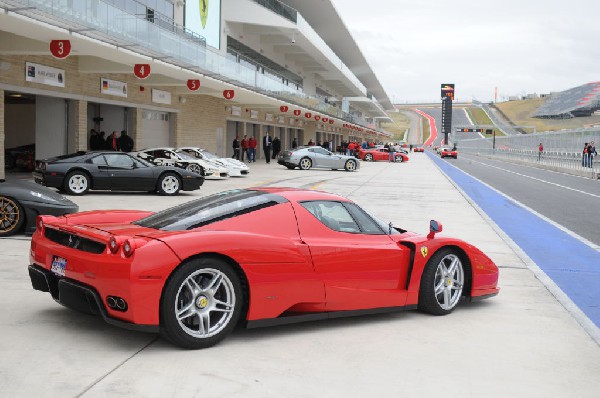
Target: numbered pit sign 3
[
  {"x": 141, "y": 71},
  {"x": 283, "y": 108},
  {"x": 60, "y": 48},
  {"x": 228, "y": 94},
  {"x": 193, "y": 84}
]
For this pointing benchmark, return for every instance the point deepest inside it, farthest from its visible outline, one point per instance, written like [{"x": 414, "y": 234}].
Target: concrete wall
[{"x": 50, "y": 127}]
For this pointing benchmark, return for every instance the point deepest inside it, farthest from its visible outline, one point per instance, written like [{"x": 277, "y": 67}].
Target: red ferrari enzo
[
  {"x": 374, "y": 154},
  {"x": 196, "y": 270}
]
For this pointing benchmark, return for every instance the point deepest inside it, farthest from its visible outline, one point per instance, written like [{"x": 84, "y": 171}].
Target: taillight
[
  {"x": 128, "y": 248},
  {"x": 39, "y": 223},
  {"x": 113, "y": 245}
]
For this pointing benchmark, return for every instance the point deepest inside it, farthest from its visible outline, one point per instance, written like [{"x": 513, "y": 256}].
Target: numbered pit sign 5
[
  {"x": 228, "y": 94},
  {"x": 141, "y": 71},
  {"x": 193, "y": 84},
  {"x": 60, "y": 48}
]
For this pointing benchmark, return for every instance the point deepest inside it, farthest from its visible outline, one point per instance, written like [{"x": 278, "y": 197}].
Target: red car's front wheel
[
  {"x": 201, "y": 303},
  {"x": 442, "y": 283}
]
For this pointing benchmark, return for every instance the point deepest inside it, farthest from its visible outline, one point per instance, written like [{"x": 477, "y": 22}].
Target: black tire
[
  {"x": 77, "y": 183},
  {"x": 290, "y": 167},
  {"x": 400, "y": 159},
  {"x": 305, "y": 163},
  {"x": 368, "y": 157},
  {"x": 12, "y": 216},
  {"x": 434, "y": 283},
  {"x": 199, "y": 304},
  {"x": 350, "y": 165},
  {"x": 169, "y": 184}
]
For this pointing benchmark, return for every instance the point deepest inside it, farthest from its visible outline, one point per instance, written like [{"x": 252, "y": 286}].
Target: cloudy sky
[{"x": 519, "y": 46}]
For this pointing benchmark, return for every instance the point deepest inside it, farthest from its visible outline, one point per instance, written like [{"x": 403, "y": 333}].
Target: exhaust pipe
[
  {"x": 111, "y": 302},
  {"x": 121, "y": 304}
]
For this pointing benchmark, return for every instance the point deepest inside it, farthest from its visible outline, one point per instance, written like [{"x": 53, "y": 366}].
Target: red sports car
[
  {"x": 373, "y": 154},
  {"x": 419, "y": 149},
  {"x": 446, "y": 152},
  {"x": 196, "y": 270}
]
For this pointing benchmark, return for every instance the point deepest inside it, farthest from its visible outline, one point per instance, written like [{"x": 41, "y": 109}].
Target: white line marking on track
[{"x": 538, "y": 179}]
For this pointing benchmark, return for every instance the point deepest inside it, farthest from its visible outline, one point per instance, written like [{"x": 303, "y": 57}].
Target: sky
[{"x": 518, "y": 46}]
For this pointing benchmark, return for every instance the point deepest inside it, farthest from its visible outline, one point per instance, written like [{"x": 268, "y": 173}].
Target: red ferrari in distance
[
  {"x": 194, "y": 271},
  {"x": 419, "y": 149},
  {"x": 373, "y": 154},
  {"x": 446, "y": 152}
]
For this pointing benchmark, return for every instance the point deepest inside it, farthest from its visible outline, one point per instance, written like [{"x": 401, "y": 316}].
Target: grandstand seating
[{"x": 578, "y": 101}]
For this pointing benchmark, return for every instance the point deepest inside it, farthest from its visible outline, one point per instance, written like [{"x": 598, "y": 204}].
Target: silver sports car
[{"x": 307, "y": 157}]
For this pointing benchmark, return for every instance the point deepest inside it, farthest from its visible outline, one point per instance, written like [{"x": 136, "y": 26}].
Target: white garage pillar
[
  {"x": 134, "y": 126},
  {"x": 1, "y": 134}
]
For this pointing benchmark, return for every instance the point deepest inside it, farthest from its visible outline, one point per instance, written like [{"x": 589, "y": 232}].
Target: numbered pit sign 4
[
  {"x": 141, "y": 71},
  {"x": 60, "y": 48},
  {"x": 297, "y": 112},
  {"x": 193, "y": 84},
  {"x": 228, "y": 94}
]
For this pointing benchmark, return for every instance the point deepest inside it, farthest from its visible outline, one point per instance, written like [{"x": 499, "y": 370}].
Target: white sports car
[
  {"x": 171, "y": 157},
  {"x": 234, "y": 166}
]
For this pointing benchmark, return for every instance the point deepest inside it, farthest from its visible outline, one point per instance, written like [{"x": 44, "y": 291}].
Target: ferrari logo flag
[{"x": 424, "y": 251}]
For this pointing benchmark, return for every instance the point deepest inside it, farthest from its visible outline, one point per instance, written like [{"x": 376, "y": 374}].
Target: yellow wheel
[{"x": 12, "y": 216}]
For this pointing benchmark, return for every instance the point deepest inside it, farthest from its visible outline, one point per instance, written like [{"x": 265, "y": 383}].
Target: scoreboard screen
[
  {"x": 474, "y": 130},
  {"x": 448, "y": 91}
]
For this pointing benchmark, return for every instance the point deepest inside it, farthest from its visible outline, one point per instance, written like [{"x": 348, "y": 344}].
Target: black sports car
[
  {"x": 22, "y": 201},
  {"x": 79, "y": 172}
]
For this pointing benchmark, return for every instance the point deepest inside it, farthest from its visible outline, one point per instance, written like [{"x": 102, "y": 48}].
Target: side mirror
[{"x": 434, "y": 227}]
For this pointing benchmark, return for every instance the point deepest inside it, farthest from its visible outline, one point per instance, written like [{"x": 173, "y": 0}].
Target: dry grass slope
[{"x": 398, "y": 126}]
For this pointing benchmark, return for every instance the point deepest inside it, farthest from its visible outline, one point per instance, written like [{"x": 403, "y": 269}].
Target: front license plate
[{"x": 59, "y": 265}]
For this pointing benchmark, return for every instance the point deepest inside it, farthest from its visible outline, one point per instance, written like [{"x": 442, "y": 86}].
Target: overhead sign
[
  {"x": 297, "y": 112},
  {"x": 113, "y": 87},
  {"x": 253, "y": 114},
  {"x": 448, "y": 91},
  {"x": 228, "y": 94},
  {"x": 60, "y": 48},
  {"x": 236, "y": 111},
  {"x": 204, "y": 17},
  {"x": 268, "y": 117},
  {"x": 141, "y": 71},
  {"x": 193, "y": 84},
  {"x": 42, "y": 74}
]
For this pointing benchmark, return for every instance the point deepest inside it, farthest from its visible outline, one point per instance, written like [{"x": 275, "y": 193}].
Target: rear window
[{"x": 210, "y": 209}]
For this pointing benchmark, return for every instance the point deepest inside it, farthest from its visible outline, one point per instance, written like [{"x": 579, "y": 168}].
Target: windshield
[
  {"x": 209, "y": 155},
  {"x": 210, "y": 209},
  {"x": 185, "y": 156}
]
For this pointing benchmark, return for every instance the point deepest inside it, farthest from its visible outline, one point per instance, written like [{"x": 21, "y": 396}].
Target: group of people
[
  {"x": 589, "y": 151},
  {"x": 246, "y": 148},
  {"x": 123, "y": 143}
]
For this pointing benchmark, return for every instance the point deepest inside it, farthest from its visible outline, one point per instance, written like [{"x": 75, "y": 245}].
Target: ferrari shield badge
[{"x": 424, "y": 251}]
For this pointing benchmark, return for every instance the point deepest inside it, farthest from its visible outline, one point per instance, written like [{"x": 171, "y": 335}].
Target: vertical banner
[
  {"x": 204, "y": 17},
  {"x": 446, "y": 118}
]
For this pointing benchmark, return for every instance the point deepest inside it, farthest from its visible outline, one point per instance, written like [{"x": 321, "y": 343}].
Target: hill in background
[{"x": 519, "y": 112}]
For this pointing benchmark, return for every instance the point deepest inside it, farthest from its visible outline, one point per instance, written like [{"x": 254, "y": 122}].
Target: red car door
[
  {"x": 361, "y": 266},
  {"x": 382, "y": 154}
]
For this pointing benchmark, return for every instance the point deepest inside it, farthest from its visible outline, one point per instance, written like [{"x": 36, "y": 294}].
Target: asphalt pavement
[{"x": 522, "y": 343}]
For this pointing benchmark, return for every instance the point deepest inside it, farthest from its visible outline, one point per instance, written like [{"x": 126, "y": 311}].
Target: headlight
[{"x": 42, "y": 196}]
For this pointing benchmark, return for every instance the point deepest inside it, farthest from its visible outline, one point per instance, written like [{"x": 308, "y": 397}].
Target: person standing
[
  {"x": 584, "y": 155},
  {"x": 276, "y": 147},
  {"x": 244, "y": 145},
  {"x": 112, "y": 143},
  {"x": 294, "y": 143},
  {"x": 267, "y": 143},
  {"x": 252, "y": 149},
  {"x": 236, "y": 148},
  {"x": 125, "y": 142},
  {"x": 94, "y": 144},
  {"x": 392, "y": 153},
  {"x": 540, "y": 150},
  {"x": 591, "y": 152}
]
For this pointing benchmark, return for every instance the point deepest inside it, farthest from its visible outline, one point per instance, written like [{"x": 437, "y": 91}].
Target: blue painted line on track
[{"x": 570, "y": 263}]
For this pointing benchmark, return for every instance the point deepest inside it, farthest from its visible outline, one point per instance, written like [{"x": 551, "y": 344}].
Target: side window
[
  {"x": 118, "y": 160},
  {"x": 333, "y": 215},
  {"x": 98, "y": 160},
  {"x": 366, "y": 223},
  {"x": 322, "y": 151}
]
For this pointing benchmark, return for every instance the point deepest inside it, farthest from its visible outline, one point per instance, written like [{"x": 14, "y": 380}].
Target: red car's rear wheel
[{"x": 201, "y": 303}]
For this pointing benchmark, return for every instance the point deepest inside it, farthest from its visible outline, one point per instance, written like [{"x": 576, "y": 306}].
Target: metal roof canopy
[{"x": 324, "y": 19}]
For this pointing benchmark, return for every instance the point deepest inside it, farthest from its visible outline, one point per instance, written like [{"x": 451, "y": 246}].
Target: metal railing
[{"x": 562, "y": 149}]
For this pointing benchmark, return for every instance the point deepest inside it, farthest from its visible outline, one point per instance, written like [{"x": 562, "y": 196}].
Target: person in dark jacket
[
  {"x": 125, "y": 142},
  {"x": 276, "y": 147},
  {"x": 236, "y": 148},
  {"x": 294, "y": 143},
  {"x": 267, "y": 143},
  {"x": 112, "y": 142}
]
